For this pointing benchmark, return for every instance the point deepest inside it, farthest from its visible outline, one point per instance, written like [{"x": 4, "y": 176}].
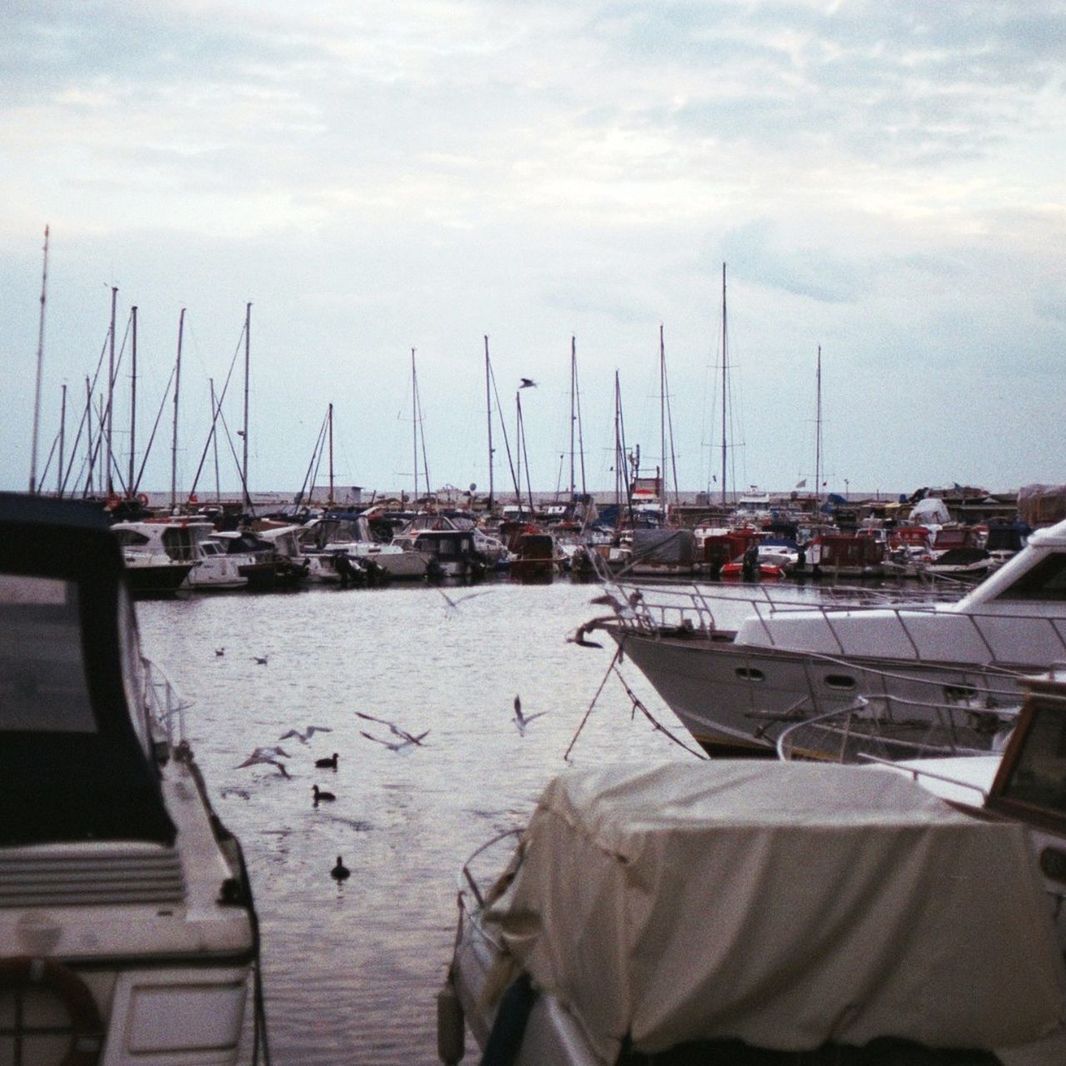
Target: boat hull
[{"x": 737, "y": 699}]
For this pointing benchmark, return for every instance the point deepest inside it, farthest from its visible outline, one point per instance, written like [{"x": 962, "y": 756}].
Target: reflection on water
[{"x": 352, "y": 969}]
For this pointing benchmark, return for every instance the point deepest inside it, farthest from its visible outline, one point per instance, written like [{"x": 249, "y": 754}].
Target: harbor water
[{"x": 351, "y": 969}]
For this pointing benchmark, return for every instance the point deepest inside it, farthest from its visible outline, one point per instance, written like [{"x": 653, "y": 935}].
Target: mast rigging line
[
  {"x": 218, "y": 412},
  {"x": 506, "y": 439}
]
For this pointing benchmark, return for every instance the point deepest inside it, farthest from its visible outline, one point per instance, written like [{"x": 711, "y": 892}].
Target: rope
[
  {"x": 638, "y": 705},
  {"x": 656, "y": 724},
  {"x": 614, "y": 659}
]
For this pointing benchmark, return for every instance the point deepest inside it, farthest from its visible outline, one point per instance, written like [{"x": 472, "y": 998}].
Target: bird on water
[
  {"x": 327, "y": 764},
  {"x": 321, "y": 796},
  {"x": 340, "y": 872}
]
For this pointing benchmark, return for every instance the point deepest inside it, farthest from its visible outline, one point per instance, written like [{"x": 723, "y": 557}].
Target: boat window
[
  {"x": 1045, "y": 581},
  {"x": 841, "y": 681},
  {"x": 178, "y": 544},
  {"x": 1039, "y": 775},
  {"x": 130, "y": 538},
  {"x": 750, "y": 674},
  {"x": 43, "y": 686}
]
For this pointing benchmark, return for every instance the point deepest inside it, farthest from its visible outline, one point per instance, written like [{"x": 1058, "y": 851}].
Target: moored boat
[
  {"x": 127, "y": 929},
  {"x": 922, "y": 677},
  {"x": 740, "y": 912}
]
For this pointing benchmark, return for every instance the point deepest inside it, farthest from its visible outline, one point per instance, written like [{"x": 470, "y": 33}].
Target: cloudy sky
[{"x": 884, "y": 180}]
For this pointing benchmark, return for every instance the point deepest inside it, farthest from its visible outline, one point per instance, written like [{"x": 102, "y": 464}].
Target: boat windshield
[
  {"x": 43, "y": 685},
  {"x": 1038, "y": 778},
  {"x": 1046, "y": 581}
]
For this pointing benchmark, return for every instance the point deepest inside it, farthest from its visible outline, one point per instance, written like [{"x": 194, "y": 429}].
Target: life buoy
[
  {"x": 23, "y": 972},
  {"x": 142, "y": 499}
]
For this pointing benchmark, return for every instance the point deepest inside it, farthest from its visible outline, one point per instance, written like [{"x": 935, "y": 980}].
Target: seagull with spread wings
[
  {"x": 308, "y": 733},
  {"x": 394, "y": 729},
  {"x": 521, "y": 720}
]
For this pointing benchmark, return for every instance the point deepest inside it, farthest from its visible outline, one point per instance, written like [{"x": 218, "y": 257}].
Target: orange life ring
[{"x": 87, "y": 1028}]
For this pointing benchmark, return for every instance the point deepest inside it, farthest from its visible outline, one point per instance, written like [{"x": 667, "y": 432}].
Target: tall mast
[
  {"x": 573, "y": 417},
  {"x": 619, "y": 449},
  {"x": 89, "y": 435},
  {"x": 662, "y": 420},
  {"x": 214, "y": 439},
  {"x": 131, "y": 487},
  {"x": 247, "y": 368},
  {"x": 62, "y": 439},
  {"x": 107, "y": 482},
  {"x": 414, "y": 420},
  {"x": 40, "y": 367},
  {"x": 818, "y": 430},
  {"x": 488, "y": 411},
  {"x": 724, "y": 362},
  {"x": 174, "y": 434},
  {"x": 330, "y": 455}
]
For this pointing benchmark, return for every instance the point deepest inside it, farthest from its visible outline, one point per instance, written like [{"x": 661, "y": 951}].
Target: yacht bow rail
[{"x": 690, "y": 610}]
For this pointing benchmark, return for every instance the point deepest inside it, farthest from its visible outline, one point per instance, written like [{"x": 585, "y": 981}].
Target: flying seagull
[
  {"x": 398, "y": 745},
  {"x": 304, "y": 737},
  {"x": 527, "y": 383},
  {"x": 522, "y": 720},
  {"x": 451, "y": 606},
  {"x": 580, "y": 635},
  {"x": 394, "y": 729},
  {"x": 257, "y": 759}
]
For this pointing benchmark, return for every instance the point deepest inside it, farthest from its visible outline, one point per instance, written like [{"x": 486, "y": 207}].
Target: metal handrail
[{"x": 658, "y": 608}]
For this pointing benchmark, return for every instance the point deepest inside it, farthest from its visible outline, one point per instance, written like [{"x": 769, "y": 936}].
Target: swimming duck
[{"x": 340, "y": 871}]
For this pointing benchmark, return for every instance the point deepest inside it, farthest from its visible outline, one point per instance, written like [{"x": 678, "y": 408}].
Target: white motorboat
[
  {"x": 352, "y": 536},
  {"x": 754, "y": 911},
  {"x": 159, "y": 556},
  {"x": 917, "y": 677},
  {"x": 127, "y": 929}
]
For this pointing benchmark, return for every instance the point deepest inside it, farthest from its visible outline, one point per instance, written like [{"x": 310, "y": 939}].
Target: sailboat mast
[
  {"x": 724, "y": 382},
  {"x": 818, "y": 429},
  {"x": 107, "y": 481},
  {"x": 414, "y": 420},
  {"x": 40, "y": 367},
  {"x": 247, "y": 369},
  {"x": 174, "y": 432},
  {"x": 89, "y": 455},
  {"x": 573, "y": 416},
  {"x": 662, "y": 421},
  {"x": 133, "y": 399},
  {"x": 488, "y": 411},
  {"x": 330, "y": 455},
  {"x": 214, "y": 440},
  {"x": 62, "y": 440}
]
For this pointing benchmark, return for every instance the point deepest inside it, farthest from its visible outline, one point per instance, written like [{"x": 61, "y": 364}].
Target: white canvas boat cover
[{"x": 784, "y": 904}]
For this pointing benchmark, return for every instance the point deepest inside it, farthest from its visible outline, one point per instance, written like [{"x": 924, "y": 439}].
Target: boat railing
[
  {"x": 653, "y": 607},
  {"x": 668, "y": 611},
  {"x": 917, "y": 773},
  {"x": 165, "y": 706},
  {"x": 967, "y": 717}
]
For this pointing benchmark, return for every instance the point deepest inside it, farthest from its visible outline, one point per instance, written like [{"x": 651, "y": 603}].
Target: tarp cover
[
  {"x": 673, "y": 546},
  {"x": 784, "y": 904}
]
